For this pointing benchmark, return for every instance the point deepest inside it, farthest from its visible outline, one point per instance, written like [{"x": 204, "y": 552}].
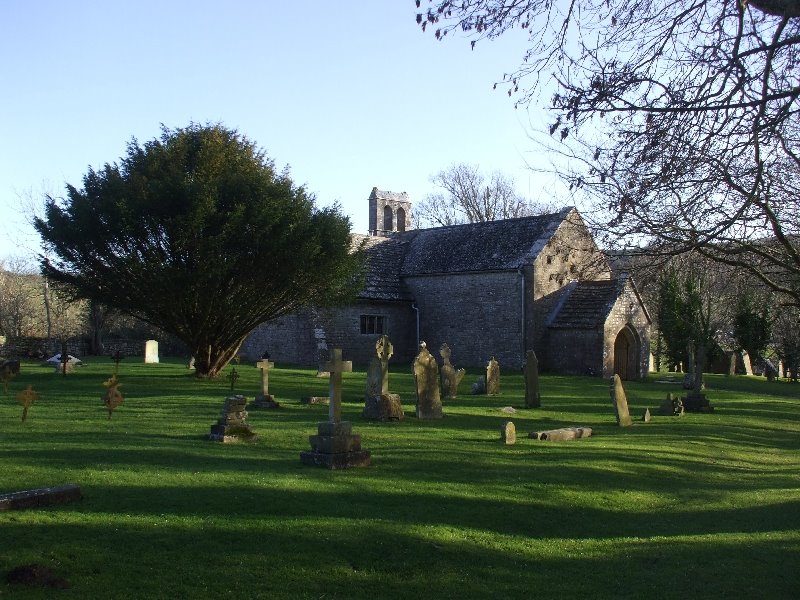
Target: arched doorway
[{"x": 626, "y": 354}]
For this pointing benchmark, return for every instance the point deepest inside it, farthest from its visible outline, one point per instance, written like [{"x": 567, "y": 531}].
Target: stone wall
[
  {"x": 478, "y": 315},
  {"x": 627, "y": 310},
  {"x": 304, "y": 337},
  {"x": 574, "y": 352}
]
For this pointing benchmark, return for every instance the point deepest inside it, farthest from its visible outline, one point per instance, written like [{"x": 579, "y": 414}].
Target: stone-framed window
[
  {"x": 387, "y": 218},
  {"x": 373, "y": 324}
]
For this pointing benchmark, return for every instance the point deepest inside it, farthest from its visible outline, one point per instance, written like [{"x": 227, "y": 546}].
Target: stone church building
[{"x": 486, "y": 289}]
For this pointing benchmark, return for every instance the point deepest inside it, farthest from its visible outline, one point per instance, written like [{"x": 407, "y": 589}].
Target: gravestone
[
  {"x": 531, "y": 371},
  {"x": 646, "y": 416},
  {"x": 672, "y": 406},
  {"x": 620, "y": 401},
  {"x": 492, "y": 377},
  {"x": 151, "y": 351},
  {"x": 336, "y": 446},
  {"x": 112, "y": 398},
  {"x": 508, "y": 433},
  {"x": 450, "y": 377},
  {"x": 697, "y": 403},
  {"x": 8, "y": 372},
  {"x": 26, "y": 398},
  {"x": 732, "y": 365},
  {"x": 426, "y": 378},
  {"x": 379, "y": 403},
  {"x": 564, "y": 434},
  {"x": 60, "y": 494},
  {"x": 780, "y": 369},
  {"x": 232, "y": 424},
  {"x": 264, "y": 400},
  {"x": 747, "y": 366}
]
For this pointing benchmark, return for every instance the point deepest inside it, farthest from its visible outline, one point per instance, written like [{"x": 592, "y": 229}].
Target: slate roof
[
  {"x": 384, "y": 258},
  {"x": 493, "y": 246},
  {"x": 588, "y": 304}
]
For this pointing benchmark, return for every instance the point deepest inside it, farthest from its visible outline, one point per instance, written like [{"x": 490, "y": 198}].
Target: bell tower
[{"x": 388, "y": 212}]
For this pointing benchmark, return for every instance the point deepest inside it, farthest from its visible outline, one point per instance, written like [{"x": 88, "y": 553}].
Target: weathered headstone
[
  {"x": 450, "y": 377},
  {"x": 562, "y": 435},
  {"x": 732, "y": 365},
  {"x": 492, "y": 377},
  {"x": 113, "y": 397},
  {"x": 508, "y": 433},
  {"x": 620, "y": 401},
  {"x": 336, "y": 446},
  {"x": 7, "y": 373},
  {"x": 646, "y": 416},
  {"x": 379, "y": 403},
  {"x": 780, "y": 369},
  {"x": 26, "y": 398},
  {"x": 151, "y": 351},
  {"x": 426, "y": 377},
  {"x": 672, "y": 406},
  {"x": 232, "y": 425},
  {"x": 315, "y": 400},
  {"x": 264, "y": 399},
  {"x": 697, "y": 403},
  {"x": 531, "y": 370},
  {"x": 746, "y": 364}
]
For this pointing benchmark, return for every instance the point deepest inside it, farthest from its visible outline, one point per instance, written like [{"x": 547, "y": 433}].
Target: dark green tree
[
  {"x": 687, "y": 319},
  {"x": 196, "y": 233},
  {"x": 752, "y": 325}
]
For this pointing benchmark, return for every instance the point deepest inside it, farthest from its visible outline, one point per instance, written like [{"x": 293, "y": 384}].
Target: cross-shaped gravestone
[
  {"x": 265, "y": 366},
  {"x": 384, "y": 350},
  {"x": 336, "y": 366}
]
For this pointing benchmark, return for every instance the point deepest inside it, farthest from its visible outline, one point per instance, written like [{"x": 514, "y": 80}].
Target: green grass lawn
[{"x": 699, "y": 506}]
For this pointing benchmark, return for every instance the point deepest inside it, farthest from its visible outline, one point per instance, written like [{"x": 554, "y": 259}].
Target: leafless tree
[
  {"x": 468, "y": 197},
  {"x": 678, "y": 119}
]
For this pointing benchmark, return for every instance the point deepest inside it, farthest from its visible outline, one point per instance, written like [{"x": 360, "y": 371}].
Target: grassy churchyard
[{"x": 705, "y": 505}]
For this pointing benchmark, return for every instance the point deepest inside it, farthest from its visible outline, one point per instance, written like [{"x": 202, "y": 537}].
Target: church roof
[
  {"x": 491, "y": 246},
  {"x": 588, "y": 303},
  {"x": 384, "y": 258}
]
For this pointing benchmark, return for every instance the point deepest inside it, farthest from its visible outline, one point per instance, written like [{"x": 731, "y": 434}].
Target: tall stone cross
[
  {"x": 384, "y": 350},
  {"x": 265, "y": 366},
  {"x": 336, "y": 366}
]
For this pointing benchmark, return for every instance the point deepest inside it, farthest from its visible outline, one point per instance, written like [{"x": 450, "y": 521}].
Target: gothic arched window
[
  {"x": 401, "y": 219},
  {"x": 387, "y": 218}
]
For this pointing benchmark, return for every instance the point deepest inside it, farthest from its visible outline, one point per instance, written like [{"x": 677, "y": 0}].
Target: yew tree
[
  {"x": 197, "y": 233},
  {"x": 680, "y": 119}
]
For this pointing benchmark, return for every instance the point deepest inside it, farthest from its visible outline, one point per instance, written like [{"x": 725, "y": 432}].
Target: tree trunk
[
  {"x": 211, "y": 359},
  {"x": 699, "y": 366}
]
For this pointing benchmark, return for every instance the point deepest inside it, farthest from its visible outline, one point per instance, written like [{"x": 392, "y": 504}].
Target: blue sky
[{"x": 350, "y": 94}]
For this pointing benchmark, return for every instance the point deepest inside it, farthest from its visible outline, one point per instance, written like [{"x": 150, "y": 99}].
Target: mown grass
[{"x": 704, "y": 505}]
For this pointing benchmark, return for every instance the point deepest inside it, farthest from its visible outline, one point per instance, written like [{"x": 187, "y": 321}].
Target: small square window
[{"x": 373, "y": 324}]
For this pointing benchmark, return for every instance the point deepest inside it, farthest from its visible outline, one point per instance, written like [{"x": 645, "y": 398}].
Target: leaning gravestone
[
  {"x": 232, "y": 425},
  {"x": 492, "y": 377},
  {"x": 151, "y": 351},
  {"x": 379, "y": 403},
  {"x": 264, "y": 399},
  {"x": 26, "y": 398},
  {"x": 508, "y": 433},
  {"x": 336, "y": 446},
  {"x": 531, "y": 370},
  {"x": 426, "y": 377},
  {"x": 113, "y": 397},
  {"x": 620, "y": 401},
  {"x": 450, "y": 377},
  {"x": 646, "y": 416}
]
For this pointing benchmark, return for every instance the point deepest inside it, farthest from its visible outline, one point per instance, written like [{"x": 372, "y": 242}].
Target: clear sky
[{"x": 349, "y": 93}]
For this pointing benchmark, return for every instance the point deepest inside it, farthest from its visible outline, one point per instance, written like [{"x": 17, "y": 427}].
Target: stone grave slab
[
  {"x": 60, "y": 494},
  {"x": 232, "y": 425}
]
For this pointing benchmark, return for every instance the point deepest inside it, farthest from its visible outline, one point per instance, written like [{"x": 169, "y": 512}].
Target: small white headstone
[{"x": 151, "y": 351}]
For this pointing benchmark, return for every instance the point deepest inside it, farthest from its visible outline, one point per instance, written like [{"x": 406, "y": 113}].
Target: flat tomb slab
[
  {"x": 344, "y": 460},
  {"x": 60, "y": 494}
]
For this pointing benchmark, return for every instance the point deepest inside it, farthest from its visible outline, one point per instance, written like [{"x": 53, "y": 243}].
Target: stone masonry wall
[
  {"x": 477, "y": 315},
  {"x": 295, "y": 339},
  {"x": 627, "y": 310},
  {"x": 574, "y": 351}
]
